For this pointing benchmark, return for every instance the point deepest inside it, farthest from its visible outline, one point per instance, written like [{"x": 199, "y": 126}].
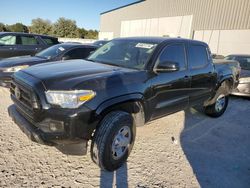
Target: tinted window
[
  {"x": 79, "y": 53},
  {"x": 174, "y": 53},
  {"x": 28, "y": 40},
  {"x": 197, "y": 56},
  {"x": 50, "y": 41},
  {"x": 244, "y": 62},
  {"x": 8, "y": 40},
  {"x": 52, "y": 51}
]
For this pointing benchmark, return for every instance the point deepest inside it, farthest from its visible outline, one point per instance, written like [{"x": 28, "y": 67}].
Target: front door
[
  {"x": 7, "y": 46},
  {"x": 171, "y": 89}
]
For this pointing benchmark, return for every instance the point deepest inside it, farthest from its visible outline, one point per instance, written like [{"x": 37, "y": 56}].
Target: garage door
[
  {"x": 165, "y": 26},
  {"x": 226, "y": 42}
]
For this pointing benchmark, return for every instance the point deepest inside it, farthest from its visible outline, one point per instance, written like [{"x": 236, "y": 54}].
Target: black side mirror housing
[{"x": 168, "y": 66}]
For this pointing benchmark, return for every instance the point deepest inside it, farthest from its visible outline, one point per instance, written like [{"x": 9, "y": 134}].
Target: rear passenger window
[
  {"x": 50, "y": 41},
  {"x": 197, "y": 56},
  {"x": 8, "y": 40},
  {"x": 28, "y": 40},
  {"x": 174, "y": 53}
]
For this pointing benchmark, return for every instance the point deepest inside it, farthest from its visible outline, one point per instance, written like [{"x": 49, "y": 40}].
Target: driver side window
[{"x": 173, "y": 53}]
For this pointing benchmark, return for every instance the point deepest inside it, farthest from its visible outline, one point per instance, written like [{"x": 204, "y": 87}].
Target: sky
[{"x": 86, "y": 13}]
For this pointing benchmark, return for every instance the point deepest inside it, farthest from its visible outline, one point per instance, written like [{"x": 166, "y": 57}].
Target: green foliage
[
  {"x": 2, "y": 27},
  {"x": 82, "y": 33},
  {"x": 92, "y": 34},
  {"x": 65, "y": 28},
  {"x": 61, "y": 28},
  {"x": 18, "y": 27},
  {"x": 41, "y": 26}
]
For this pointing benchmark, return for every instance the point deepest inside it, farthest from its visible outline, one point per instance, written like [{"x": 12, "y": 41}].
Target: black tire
[
  {"x": 102, "y": 142},
  {"x": 212, "y": 110}
]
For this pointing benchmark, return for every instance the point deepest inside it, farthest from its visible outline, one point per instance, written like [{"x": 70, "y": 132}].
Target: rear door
[
  {"x": 171, "y": 89},
  {"x": 8, "y": 45},
  {"x": 27, "y": 45},
  {"x": 203, "y": 76}
]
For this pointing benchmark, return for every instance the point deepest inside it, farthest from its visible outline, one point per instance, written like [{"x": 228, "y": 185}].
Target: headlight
[
  {"x": 245, "y": 80},
  {"x": 15, "y": 69},
  {"x": 69, "y": 99}
]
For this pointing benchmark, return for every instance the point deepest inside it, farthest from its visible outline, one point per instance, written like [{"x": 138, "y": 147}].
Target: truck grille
[{"x": 26, "y": 100}]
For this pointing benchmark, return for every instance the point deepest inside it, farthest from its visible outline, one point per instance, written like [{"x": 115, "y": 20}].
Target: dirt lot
[{"x": 186, "y": 149}]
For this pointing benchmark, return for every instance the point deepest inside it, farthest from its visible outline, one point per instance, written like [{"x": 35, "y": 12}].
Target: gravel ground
[{"x": 186, "y": 149}]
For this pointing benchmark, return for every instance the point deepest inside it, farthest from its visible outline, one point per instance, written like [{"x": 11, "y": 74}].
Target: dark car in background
[
  {"x": 243, "y": 88},
  {"x": 217, "y": 56},
  {"x": 100, "y": 42},
  {"x": 18, "y": 44},
  {"x": 58, "y": 52}
]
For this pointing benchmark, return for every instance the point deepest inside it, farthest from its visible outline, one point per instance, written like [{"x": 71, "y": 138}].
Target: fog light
[{"x": 56, "y": 126}]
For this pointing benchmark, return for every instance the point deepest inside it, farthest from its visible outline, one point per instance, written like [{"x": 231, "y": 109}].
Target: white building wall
[
  {"x": 179, "y": 26},
  {"x": 226, "y": 42}
]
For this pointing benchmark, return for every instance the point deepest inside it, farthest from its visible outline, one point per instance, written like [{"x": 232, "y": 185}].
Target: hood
[
  {"x": 21, "y": 60},
  {"x": 75, "y": 74},
  {"x": 244, "y": 73}
]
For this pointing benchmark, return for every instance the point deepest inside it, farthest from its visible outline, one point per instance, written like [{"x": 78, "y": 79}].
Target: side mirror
[
  {"x": 65, "y": 58},
  {"x": 168, "y": 66}
]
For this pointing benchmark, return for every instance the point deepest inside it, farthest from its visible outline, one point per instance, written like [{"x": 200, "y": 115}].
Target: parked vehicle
[
  {"x": 100, "y": 42},
  {"x": 58, "y": 52},
  {"x": 243, "y": 88},
  {"x": 217, "y": 56},
  {"x": 125, "y": 83},
  {"x": 19, "y": 44}
]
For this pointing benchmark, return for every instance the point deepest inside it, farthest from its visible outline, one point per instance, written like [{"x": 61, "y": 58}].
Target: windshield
[
  {"x": 244, "y": 61},
  {"x": 124, "y": 53},
  {"x": 51, "y": 52}
]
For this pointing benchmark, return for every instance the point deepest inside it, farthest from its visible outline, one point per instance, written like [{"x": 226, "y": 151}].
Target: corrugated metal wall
[{"x": 207, "y": 14}]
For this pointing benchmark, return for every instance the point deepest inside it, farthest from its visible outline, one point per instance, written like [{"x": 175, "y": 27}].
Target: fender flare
[{"x": 118, "y": 100}]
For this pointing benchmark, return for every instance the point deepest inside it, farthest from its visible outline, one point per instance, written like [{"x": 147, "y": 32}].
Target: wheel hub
[
  {"x": 121, "y": 142},
  {"x": 220, "y": 103}
]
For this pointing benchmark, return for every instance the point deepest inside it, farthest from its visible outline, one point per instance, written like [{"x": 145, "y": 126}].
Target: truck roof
[
  {"x": 18, "y": 33},
  {"x": 160, "y": 40}
]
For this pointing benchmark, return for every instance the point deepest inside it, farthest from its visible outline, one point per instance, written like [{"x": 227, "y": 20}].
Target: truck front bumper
[{"x": 36, "y": 134}]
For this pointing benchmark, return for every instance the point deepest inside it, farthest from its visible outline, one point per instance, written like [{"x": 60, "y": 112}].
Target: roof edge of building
[{"x": 139, "y": 1}]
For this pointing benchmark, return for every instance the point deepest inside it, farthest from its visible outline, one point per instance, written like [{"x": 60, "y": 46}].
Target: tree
[
  {"x": 82, "y": 33},
  {"x": 18, "y": 27},
  {"x": 65, "y": 28},
  {"x": 92, "y": 34},
  {"x": 2, "y": 27},
  {"x": 41, "y": 26}
]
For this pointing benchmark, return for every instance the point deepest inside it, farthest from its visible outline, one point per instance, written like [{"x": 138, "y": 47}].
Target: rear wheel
[
  {"x": 220, "y": 105},
  {"x": 113, "y": 140}
]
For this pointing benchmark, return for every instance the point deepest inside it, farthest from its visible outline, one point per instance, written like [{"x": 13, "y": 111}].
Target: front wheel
[
  {"x": 220, "y": 105},
  {"x": 113, "y": 140}
]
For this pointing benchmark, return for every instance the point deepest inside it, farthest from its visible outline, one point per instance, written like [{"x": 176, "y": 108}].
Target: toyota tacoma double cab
[{"x": 125, "y": 83}]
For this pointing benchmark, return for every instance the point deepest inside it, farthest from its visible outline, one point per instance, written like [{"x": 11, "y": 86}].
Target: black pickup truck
[{"x": 125, "y": 83}]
